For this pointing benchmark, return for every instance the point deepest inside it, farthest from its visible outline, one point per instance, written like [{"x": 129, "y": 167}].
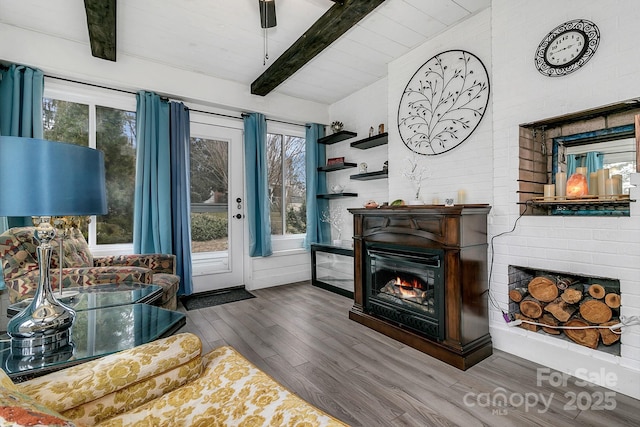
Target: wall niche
[
  {"x": 548, "y": 301},
  {"x": 613, "y": 130}
]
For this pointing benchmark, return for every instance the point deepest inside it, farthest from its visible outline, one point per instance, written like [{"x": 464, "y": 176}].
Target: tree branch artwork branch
[
  {"x": 443, "y": 102},
  {"x": 416, "y": 174},
  {"x": 334, "y": 217}
]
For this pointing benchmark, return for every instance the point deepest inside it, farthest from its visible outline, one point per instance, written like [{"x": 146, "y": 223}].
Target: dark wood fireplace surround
[{"x": 461, "y": 232}]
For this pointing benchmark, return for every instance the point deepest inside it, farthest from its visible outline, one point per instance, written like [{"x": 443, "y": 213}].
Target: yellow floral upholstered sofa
[{"x": 164, "y": 383}]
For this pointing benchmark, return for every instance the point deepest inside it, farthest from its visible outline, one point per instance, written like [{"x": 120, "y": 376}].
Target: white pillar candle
[
  {"x": 593, "y": 183},
  {"x": 435, "y": 201},
  {"x": 561, "y": 184},
  {"x": 582, "y": 170},
  {"x": 549, "y": 191},
  {"x": 461, "y": 197},
  {"x": 609, "y": 187},
  {"x": 603, "y": 175},
  {"x": 617, "y": 178}
]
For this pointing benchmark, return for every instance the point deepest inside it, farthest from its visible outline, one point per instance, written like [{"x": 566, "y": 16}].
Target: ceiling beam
[
  {"x": 101, "y": 22},
  {"x": 327, "y": 29}
]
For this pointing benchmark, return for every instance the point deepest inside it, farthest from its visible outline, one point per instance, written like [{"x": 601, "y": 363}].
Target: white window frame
[
  {"x": 93, "y": 96},
  {"x": 286, "y": 242}
]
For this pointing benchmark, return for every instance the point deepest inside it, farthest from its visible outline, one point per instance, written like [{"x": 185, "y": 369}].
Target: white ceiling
[{"x": 223, "y": 38}]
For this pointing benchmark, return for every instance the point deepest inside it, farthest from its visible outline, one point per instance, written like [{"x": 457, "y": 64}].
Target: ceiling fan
[{"x": 267, "y": 20}]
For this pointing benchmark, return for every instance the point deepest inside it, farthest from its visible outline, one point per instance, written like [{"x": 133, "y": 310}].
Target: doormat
[{"x": 209, "y": 299}]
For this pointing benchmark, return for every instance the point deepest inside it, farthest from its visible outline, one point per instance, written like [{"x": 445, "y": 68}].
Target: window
[
  {"x": 287, "y": 183},
  {"x": 209, "y": 195},
  {"x": 75, "y": 118},
  {"x": 619, "y": 156},
  {"x": 116, "y": 137}
]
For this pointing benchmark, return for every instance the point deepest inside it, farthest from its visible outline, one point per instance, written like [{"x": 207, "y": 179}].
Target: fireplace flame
[
  {"x": 411, "y": 290},
  {"x": 407, "y": 290}
]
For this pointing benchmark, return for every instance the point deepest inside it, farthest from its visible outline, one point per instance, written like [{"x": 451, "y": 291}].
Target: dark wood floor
[{"x": 301, "y": 336}]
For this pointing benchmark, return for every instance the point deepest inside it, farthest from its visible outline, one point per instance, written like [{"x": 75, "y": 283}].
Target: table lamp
[{"x": 41, "y": 179}]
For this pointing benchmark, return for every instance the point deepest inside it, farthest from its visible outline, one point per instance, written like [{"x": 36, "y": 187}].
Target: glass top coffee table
[
  {"x": 96, "y": 333},
  {"x": 95, "y": 296}
]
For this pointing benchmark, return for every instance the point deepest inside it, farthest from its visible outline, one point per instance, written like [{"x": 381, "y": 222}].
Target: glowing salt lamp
[{"x": 577, "y": 185}]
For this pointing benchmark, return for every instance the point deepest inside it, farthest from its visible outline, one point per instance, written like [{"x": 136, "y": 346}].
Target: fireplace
[
  {"x": 405, "y": 286},
  {"x": 420, "y": 277}
]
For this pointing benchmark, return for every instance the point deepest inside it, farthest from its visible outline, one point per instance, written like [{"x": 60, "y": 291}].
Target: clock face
[
  {"x": 443, "y": 102},
  {"x": 567, "y": 48}
]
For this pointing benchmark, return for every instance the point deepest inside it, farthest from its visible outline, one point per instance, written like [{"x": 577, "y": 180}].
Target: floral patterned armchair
[
  {"x": 20, "y": 266},
  {"x": 164, "y": 383}
]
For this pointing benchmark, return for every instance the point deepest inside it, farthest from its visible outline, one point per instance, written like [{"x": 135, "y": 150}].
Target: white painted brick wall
[
  {"x": 469, "y": 166},
  {"x": 598, "y": 246},
  {"x": 358, "y": 113},
  {"x": 505, "y": 39}
]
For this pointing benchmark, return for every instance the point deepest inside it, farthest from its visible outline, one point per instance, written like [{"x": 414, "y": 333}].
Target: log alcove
[{"x": 557, "y": 299}]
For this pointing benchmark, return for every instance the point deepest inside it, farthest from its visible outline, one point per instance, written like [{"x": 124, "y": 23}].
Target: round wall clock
[
  {"x": 443, "y": 102},
  {"x": 567, "y": 47}
]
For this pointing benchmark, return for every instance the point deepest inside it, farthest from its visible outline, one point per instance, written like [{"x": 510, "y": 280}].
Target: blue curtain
[
  {"x": 180, "y": 193},
  {"x": 21, "y": 90},
  {"x": 571, "y": 164},
  {"x": 595, "y": 161},
  {"x": 152, "y": 197},
  {"x": 257, "y": 203},
  {"x": 317, "y": 231}
]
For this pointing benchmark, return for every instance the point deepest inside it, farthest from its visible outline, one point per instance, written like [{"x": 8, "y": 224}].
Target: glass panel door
[{"x": 217, "y": 207}]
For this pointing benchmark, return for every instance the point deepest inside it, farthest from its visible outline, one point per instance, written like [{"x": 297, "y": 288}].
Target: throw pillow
[{"x": 17, "y": 410}]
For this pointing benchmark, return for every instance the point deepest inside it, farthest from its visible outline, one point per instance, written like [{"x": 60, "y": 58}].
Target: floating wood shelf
[
  {"x": 336, "y": 195},
  {"x": 336, "y": 166},
  {"x": 372, "y": 141},
  {"x": 336, "y": 137},
  {"x": 617, "y": 205},
  {"x": 371, "y": 175}
]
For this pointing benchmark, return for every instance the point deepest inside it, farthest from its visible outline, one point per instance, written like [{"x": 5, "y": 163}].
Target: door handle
[{"x": 238, "y": 216}]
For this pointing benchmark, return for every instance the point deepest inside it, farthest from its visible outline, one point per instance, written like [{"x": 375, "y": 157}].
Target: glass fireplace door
[{"x": 406, "y": 286}]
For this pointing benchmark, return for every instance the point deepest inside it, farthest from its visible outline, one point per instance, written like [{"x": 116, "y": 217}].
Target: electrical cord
[
  {"x": 624, "y": 321},
  {"x": 492, "y": 300}
]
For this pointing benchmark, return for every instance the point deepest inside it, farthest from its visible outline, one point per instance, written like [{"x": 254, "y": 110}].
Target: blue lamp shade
[{"x": 46, "y": 178}]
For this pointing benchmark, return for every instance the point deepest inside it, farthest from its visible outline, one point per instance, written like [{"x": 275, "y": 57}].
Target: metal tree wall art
[
  {"x": 416, "y": 174},
  {"x": 334, "y": 216},
  {"x": 443, "y": 102}
]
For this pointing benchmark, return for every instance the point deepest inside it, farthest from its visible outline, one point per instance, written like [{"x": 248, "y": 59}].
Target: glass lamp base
[
  {"x": 18, "y": 362},
  {"x": 40, "y": 344}
]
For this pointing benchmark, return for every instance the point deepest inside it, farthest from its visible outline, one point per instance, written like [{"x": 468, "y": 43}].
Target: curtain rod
[
  {"x": 579, "y": 156},
  {"x": 164, "y": 97},
  {"x": 278, "y": 121}
]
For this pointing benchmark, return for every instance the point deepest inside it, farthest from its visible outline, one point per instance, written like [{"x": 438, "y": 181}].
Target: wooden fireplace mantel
[{"x": 461, "y": 232}]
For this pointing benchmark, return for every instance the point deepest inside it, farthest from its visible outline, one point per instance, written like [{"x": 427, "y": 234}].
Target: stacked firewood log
[{"x": 566, "y": 302}]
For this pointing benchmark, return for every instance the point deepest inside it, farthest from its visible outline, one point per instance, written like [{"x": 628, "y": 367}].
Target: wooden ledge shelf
[
  {"x": 336, "y": 195},
  {"x": 336, "y": 137},
  {"x": 372, "y": 141},
  {"x": 371, "y": 175},
  {"x": 616, "y": 205},
  {"x": 336, "y": 167}
]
